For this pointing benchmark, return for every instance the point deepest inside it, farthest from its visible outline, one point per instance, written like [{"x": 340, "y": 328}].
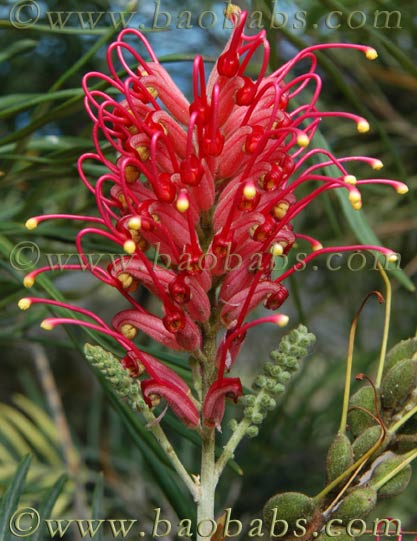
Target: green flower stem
[
  {"x": 409, "y": 457},
  {"x": 208, "y": 480},
  {"x": 239, "y": 433},
  {"x": 229, "y": 449},
  {"x": 388, "y": 297},
  {"x": 349, "y": 361},
  {"x": 160, "y": 436}
]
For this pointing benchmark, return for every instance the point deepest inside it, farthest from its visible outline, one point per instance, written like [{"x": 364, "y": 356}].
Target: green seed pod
[
  {"x": 399, "y": 383},
  {"x": 339, "y": 457},
  {"x": 366, "y": 441},
  {"x": 358, "y": 420},
  {"x": 397, "y": 484},
  {"x": 357, "y": 504},
  {"x": 406, "y": 349},
  {"x": 288, "y": 506}
]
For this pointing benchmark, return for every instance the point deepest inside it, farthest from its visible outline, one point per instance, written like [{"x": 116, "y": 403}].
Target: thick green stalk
[{"x": 205, "y": 508}]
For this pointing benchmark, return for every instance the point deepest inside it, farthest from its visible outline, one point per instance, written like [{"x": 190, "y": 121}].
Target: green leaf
[
  {"x": 97, "y": 505},
  {"x": 47, "y": 505},
  {"x": 11, "y": 497},
  {"x": 16, "y": 48},
  {"x": 32, "y": 433}
]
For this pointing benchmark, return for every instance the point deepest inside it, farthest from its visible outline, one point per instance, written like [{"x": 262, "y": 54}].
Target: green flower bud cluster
[
  {"x": 285, "y": 361},
  {"x": 119, "y": 377},
  {"x": 277, "y": 374}
]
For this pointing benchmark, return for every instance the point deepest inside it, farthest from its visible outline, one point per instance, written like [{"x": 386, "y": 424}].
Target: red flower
[{"x": 212, "y": 185}]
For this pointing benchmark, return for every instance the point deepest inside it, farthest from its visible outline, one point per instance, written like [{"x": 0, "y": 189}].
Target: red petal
[
  {"x": 180, "y": 403},
  {"x": 214, "y": 404}
]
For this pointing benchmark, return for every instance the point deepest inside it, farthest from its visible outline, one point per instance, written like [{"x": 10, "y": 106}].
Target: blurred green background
[{"x": 44, "y": 129}]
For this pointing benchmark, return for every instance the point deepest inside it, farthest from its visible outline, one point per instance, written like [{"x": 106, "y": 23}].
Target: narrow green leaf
[
  {"x": 97, "y": 504},
  {"x": 16, "y": 48},
  {"x": 47, "y": 505},
  {"x": 38, "y": 416},
  {"x": 10, "y": 499},
  {"x": 36, "y": 439},
  {"x": 13, "y": 437}
]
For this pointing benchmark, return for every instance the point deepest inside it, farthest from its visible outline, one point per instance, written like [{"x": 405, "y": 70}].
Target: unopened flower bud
[{"x": 252, "y": 431}]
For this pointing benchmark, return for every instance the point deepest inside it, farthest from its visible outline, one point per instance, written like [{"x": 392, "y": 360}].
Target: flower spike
[{"x": 202, "y": 196}]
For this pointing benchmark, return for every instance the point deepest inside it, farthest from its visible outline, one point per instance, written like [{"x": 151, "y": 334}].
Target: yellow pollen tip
[
  {"x": 350, "y": 179},
  {"x": 128, "y": 331},
  {"x": 401, "y": 188},
  {"x": 281, "y": 209},
  {"x": 32, "y": 223},
  {"x": 249, "y": 191},
  {"x": 303, "y": 140},
  {"x": 46, "y": 325},
  {"x": 371, "y": 53},
  {"x": 363, "y": 126},
  {"x": 183, "y": 204},
  {"x": 135, "y": 223},
  {"x": 131, "y": 174},
  {"x": 125, "y": 279},
  {"x": 282, "y": 320},
  {"x": 377, "y": 165},
  {"x": 129, "y": 247},
  {"x": 392, "y": 258},
  {"x": 28, "y": 281},
  {"x": 232, "y": 9},
  {"x": 357, "y": 206},
  {"x": 355, "y": 196},
  {"x": 317, "y": 246},
  {"x": 143, "y": 152},
  {"x": 24, "y": 304},
  {"x": 152, "y": 91},
  {"x": 277, "y": 250}
]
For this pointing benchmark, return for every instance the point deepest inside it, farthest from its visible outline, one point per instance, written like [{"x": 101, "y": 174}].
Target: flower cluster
[{"x": 199, "y": 181}]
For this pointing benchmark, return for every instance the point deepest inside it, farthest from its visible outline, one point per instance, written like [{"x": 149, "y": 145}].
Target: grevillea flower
[{"x": 201, "y": 196}]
